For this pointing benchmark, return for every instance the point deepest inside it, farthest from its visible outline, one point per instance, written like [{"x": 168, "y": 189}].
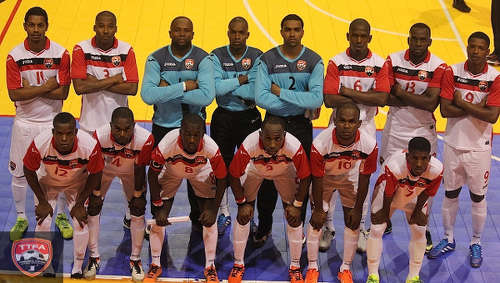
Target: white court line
[
  {"x": 375, "y": 29},
  {"x": 257, "y": 22},
  {"x": 453, "y": 27}
]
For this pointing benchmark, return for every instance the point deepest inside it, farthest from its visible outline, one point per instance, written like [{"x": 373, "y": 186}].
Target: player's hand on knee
[
  {"x": 418, "y": 218},
  {"x": 137, "y": 205},
  {"x": 42, "y": 210},
  {"x": 78, "y": 211},
  {"x": 292, "y": 215},
  {"x": 208, "y": 217},
  {"x": 95, "y": 205},
  {"x": 318, "y": 218},
  {"x": 353, "y": 219},
  {"x": 161, "y": 216},
  {"x": 245, "y": 213}
]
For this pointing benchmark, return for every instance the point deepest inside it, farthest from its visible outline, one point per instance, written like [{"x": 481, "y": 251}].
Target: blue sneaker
[
  {"x": 222, "y": 223},
  {"x": 476, "y": 255},
  {"x": 443, "y": 247}
]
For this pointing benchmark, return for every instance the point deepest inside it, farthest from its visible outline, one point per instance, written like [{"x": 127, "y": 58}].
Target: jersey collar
[
  {"x": 466, "y": 67},
  {"x": 231, "y": 54},
  {"x": 200, "y": 145},
  {"x": 94, "y": 44},
  {"x": 426, "y": 60},
  {"x": 288, "y": 59},
  {"x": 368, "y": 56},
  {"x": 336, "y": 141},
  {"x": 183, "y": 57},
  {"x": 27, "y": 46},
  {"x": 75, "y": 145}
]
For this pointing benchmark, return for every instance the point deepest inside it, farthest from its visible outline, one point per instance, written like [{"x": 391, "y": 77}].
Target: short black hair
[
  {"x": 122, "y": 112},
  {"x": 36, "y": 11},
  {"x": 361, "y": 22},
  {"x": 347, "y": 105},
  {"x": 64, "y": 118},
  {"x": 480, "y": 35},
  {"x": 238, "y": 19},
  {"x": 422, "y": 26},
  {"x": 272, "y": 119},
  {"x": 178, "y": 18},
  {"x": 292, "y": 17},
  {"x": 105, "y": 13},
  {"x": 192, "y": 119},
  {"x": 420, "y": 144}
]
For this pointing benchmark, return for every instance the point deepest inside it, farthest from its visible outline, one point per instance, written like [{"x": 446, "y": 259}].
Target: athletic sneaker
[
  {"x": 476, "y": 255},
  {"x": 62, "y": 223},
  {"x": 325, "y": 241},
  {"x": 211, "y": 275},
  {"x": 295, "y": 275},
  {"x": 345, "y": 276},
  {"x": 77, "y": 275},
  {"x": 17, "y": 231},
  {"x": 363, "y": 237},
  {"x": 147, "y": 231},
  {"x": 236, "y": 274},
  {"x": 126, "y": 223},
  {"x": 92, "y": 268},
  {"x": 136, "y": 270},
  {"x": 373, "y": 278},
  {"x": 312, "y": 275},
  {"x": 153, "y": 273},
  {"x": 443, "y": 247},
  {"x": 428, "y": 237},
  {"x": 223, "y": 222},
  {"x": 415, "y": 279}
]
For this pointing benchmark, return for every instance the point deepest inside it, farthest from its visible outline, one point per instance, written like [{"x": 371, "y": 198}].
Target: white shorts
[
  {"x": 70, "y": 192},
  {"x": 203, "y": 183},
  {"x": 127, "y": 181},
  {"x": 396, "y": 142},
  {"x": 466, "y": 167},
  {"x": 23, "y": 133},
  {"x": 286, "y": 184},
  {"x": 346, "y": 185}
]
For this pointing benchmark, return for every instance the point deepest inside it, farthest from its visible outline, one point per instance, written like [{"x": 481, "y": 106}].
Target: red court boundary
[{"x": 9, "y": 20}]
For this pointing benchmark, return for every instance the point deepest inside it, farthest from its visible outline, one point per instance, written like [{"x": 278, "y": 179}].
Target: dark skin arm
[
  {"x": 245, "y": 211},
  {"x": 154, "y": 185},
  {"x": 417, "y": 216},
  {"x": 333, "y": 100},
  {"x": 126, "y": 88},
  {"x": 353, "y": 217},
  {"x": 449, "y": 110},
  {"x": 292, "y": 213},
  {"x": 370, "y": 98},
  {"x": 393, "y": 100},
  {"x": 43, "y": 209},
  {"x": 428, "y": 100},
  {"x": 209, "y": 215},
  {"x": 93, "y": 184},
  {"x": 480, "y": 111},
  {"x": 92, "y": 84},
  {"x": 29, "y": 92},
  {"x": 318, "y": 215},
  {"x": 139, "y": 179}
]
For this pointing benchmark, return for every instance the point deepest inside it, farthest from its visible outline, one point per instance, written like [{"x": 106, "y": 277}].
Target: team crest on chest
[
  {"x": 116, "y": 60},
  {"x": 245, "y": 63},
  {"x": 483, "y": 85},
  {"x": 422, "y": 75},
  {"x": 73, "y": 163},
  {"x": 48, "y": 62},
  {"x": 189, "y": 64},
  {"x": 301, "y": 65},
  {"x": 200, "y": 160},
  {"x": 128, "y": 152},
  {"x": 369, "y": 70}
]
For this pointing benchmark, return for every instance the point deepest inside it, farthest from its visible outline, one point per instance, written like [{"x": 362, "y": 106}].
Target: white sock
[
  {"x": 240, "y": 237},
  {"x": 449, "y": 210},
  {"x": 295, "y": 244},
  {"x": 350, "y": 245},
  {"x": 210, "y": 243},
  {"x": 416, "y": 249},
  {"x": 156, "y": 242},
  {"x": 374, "y": 247},
  {"x": 478, "y": 212},
  {"x": 312, "y": 247},
  {"x": 224, "y": 205},
  {"x": 61, "y": 202},
  {"x": 137, "y": 234},
  {"x": 80, "y": 242},
  {"x": 127, "y": 209},
  {"x": 94, "y": 228},
  {"x": 331, "y": 210},
  {"x": 19, "y": 186},
  {"x": 364, "y": 213}
]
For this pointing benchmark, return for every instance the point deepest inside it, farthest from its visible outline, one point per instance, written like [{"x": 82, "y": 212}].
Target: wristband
[
  {"x": 157, "y": 203},
  {"x": 184, "y": 86},
  {"x": 297, "y": 204}
]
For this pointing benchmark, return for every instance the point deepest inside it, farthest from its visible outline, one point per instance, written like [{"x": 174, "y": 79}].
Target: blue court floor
[{"x": 183, "y": 254}]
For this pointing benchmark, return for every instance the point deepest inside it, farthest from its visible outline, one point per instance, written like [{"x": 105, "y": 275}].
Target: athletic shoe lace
[
  {"x": 153, "y": 270},
  {"x": 296, "y": 274},
  {"x": 476, "y": 250},
  {"x": 236, "y": 271},
  {"x": 211, "y": 274},
  {"x": 136, "y": 266}
]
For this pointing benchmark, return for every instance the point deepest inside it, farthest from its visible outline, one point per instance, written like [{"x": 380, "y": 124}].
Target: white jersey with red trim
[
  {"x": 90, "y": 59},
  {"x": 63, "y": 170},
  {"x": 37, "y": 68},
  {"x": 414, "y": 79},
  {"x": 331, "y": 159},
  {"x": 252, "y": 153},
  {"x": 364, "y": 75},
  {"x": 468, "y": 132},
  {"x": 404, "y": 186},
  {"x": 170, "y": 157},
  {"x": 120, "y": 159}
]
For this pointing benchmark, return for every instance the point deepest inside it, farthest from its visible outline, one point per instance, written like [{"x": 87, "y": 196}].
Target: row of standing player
[{"x": 295, "y": 69}]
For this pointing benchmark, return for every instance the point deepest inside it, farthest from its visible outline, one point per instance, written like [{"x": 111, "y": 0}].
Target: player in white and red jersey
[
  {"x": 104, "y": 72},
  {"x": 126, "y": 149},
  {"x": 342, "y": 158},
  {"x": 407, "y": 181},
  {"x": 415, "y": 77},
  {"x": 37, "y": 82},
  {"x": 186, "y": 153},
  {"x": 64, "y": 160},
  {"x": 355, "y": 75},
  {"x": 471, "y": 101},
  {"x": 273, "y": 154}
]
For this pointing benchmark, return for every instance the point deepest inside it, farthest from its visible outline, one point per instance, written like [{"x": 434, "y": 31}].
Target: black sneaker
[
  {"x": 77, "y": 275},
  {"x": 461, "y": 6},
  {"x": 428, "y": 246},
  {"x": 388, "y": 229}
]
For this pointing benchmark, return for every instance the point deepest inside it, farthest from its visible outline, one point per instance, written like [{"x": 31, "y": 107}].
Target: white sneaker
[
  {"x": 136, "y": 270},
  {"x": 363, "y": 237},
  {"x": 92, "y": 268},
  {"x": 326, "y": 239}
]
